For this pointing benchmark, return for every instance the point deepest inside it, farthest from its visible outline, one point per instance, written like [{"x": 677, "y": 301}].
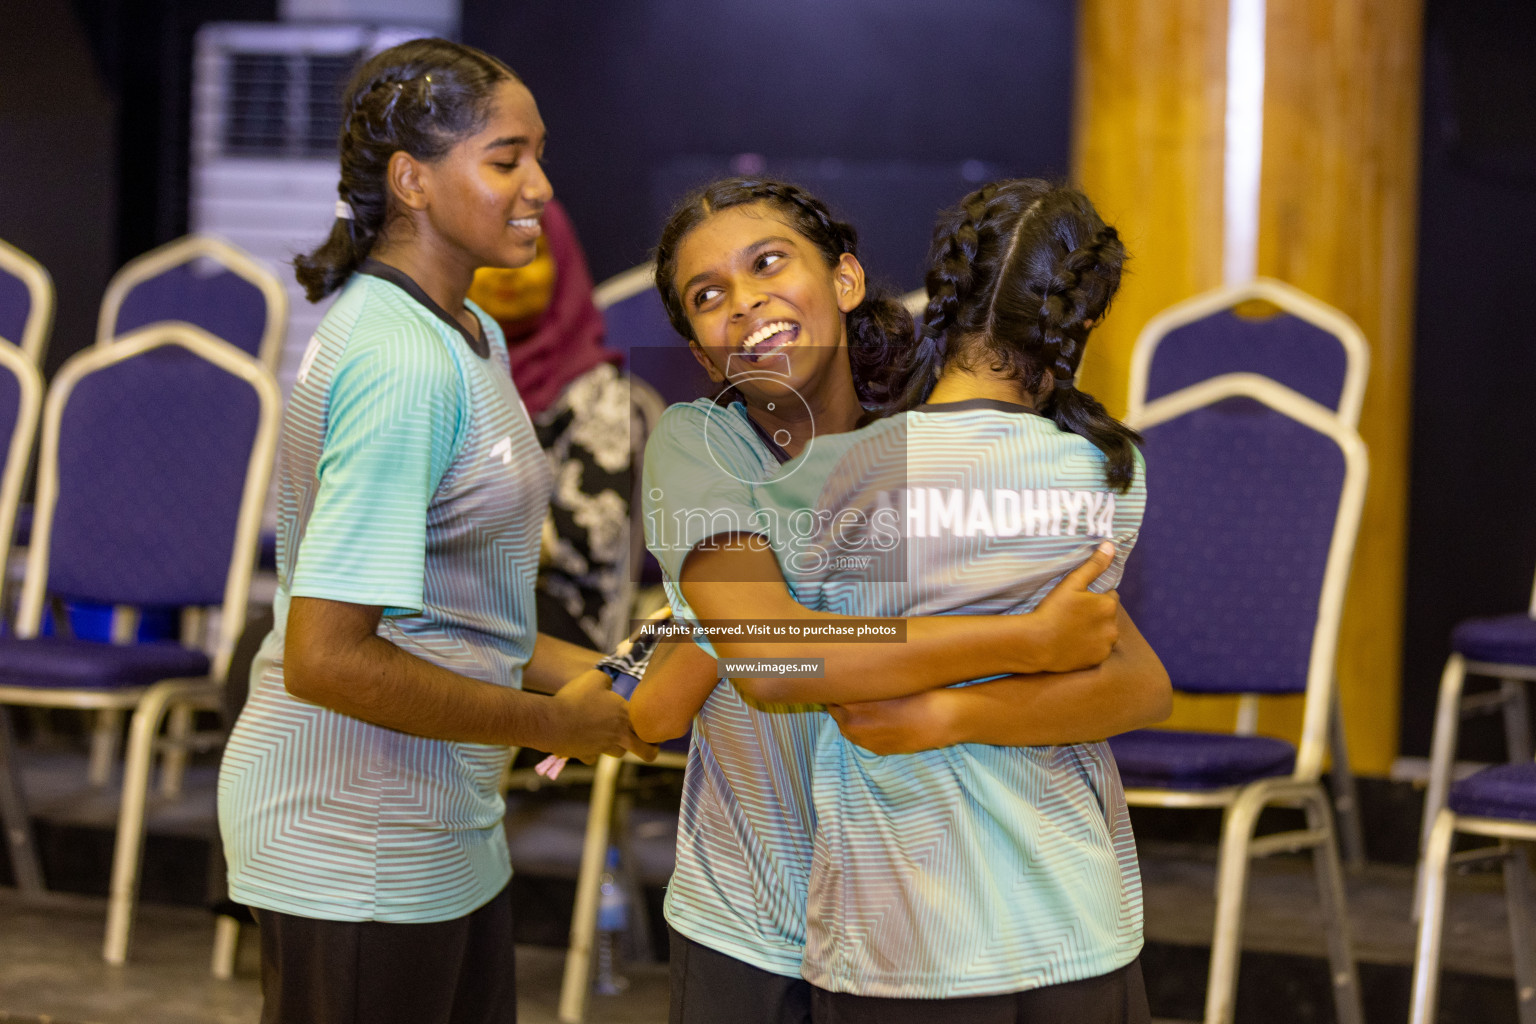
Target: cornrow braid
[
  {"x": 1017, "y": 273},
  {"x": 422, "y": 97},
  {"x": 879, "y": 328}
]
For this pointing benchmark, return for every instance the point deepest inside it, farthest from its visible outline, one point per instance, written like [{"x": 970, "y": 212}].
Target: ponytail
[{"x": 1078, "y": 412}]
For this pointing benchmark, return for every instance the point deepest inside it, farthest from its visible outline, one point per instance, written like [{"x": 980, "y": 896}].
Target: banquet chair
[
  {"x": 21, "y": 398},
  {"x": 1238, "y": 581},
  {"x": 153, "y": 463},
  {"x": 1301, "y": 343},
  {"x": 204, "y": 281},
  {"x": 1497, "y": 802},
  {"x": 26, "y": 303}
]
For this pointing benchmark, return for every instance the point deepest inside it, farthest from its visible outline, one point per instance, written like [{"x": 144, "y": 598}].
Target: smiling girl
[
  {"x": 359, "y": 796},
  {"x": 768, "y": 288}
]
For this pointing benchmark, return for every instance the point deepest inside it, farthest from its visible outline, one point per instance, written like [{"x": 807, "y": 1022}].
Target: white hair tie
[{"x": 344, "y": 210}]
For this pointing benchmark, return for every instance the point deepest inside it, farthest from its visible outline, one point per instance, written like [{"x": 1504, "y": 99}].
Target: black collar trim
[{"x": 403, "y": 281}]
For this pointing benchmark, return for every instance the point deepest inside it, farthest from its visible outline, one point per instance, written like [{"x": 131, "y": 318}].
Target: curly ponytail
[
  {"x": 879, "y": 328},
  {"x": 421, "y": 97},
  {"x": 1019, "y": 273}
]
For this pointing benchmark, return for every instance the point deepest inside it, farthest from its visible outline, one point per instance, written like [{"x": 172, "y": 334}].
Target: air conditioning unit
[{"x": 266, "y": 110}]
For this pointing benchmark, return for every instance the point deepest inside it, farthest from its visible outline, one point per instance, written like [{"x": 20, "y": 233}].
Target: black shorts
[
  {"x": 370, "y": 972},
  {"x": 1119, "y": 997},
  {"x": 709, "y": 987}
]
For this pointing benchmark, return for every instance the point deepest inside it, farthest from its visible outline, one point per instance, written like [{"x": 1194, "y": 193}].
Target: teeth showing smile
[
  {"x": 524, "y": 222},
  {"x": 765, "y": 332}
]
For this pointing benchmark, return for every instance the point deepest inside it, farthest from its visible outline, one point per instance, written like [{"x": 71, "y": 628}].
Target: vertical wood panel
[
  {"x": 1338, "y": 213},
  {"x": 1147, "y": 147},
  {"x": 1337, "y": 219}
]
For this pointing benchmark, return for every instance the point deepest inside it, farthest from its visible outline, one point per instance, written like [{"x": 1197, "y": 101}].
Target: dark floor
[{"x": 50, "y": 967}]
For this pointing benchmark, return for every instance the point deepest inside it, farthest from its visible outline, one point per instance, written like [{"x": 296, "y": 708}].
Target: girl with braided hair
[
  {"x": 767, "y": 287},
  {"x": 359, "y": 796},
  {"x": 991, "y": 877}
]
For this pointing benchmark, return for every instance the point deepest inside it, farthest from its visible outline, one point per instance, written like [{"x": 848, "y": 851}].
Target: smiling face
[
  {"x": 483, "y": 199},
  {"x": 765, "y": 307}
]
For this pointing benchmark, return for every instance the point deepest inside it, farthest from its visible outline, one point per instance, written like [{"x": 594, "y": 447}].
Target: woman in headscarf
[{"x": 580, "y": 406}]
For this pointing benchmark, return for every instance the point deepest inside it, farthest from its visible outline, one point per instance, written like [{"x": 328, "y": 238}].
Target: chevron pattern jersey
[
  {"x": 744, "y": 831},
  {"x": 970, "y": 870},
  {"x": 409, "y": 477}
]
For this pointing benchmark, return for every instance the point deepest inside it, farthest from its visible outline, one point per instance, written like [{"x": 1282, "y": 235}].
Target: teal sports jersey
[
  {"x": 744, "y": 831},
  {"x": 971, "y": 870},
  {"x": 409, "y": 478}
]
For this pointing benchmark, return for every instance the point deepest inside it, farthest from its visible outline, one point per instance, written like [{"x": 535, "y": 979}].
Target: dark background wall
[
  {"x": 58, "y": 131},
  {"x": 879, "y": 104},
  {"x": 95, "y": 99},
  {"x": 1472, "y": 500}
]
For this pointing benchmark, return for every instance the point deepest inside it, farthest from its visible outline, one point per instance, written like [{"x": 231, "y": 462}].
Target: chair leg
[
  {"x": 1518, "y": 893},
  {"x": 1432, "y": 884},
  {"x": 104, "y": 741},
  {"x": 173, "y": 763},
  {"x": 1231, "y": 896},
  {"x": 226, "y": 944},
  {"x": 1441, "y": 757},
  {"x": 1335, "y": 908},
  {"x": 594, "y": 851},
  {"x": 13, "y": 816},
  {"x": 1346, "y": 796},
  {"x": 1517, "y": 720},
  {"x": 128, "y": 852}
]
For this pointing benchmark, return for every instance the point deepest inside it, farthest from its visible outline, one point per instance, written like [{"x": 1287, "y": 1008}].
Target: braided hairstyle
[
  {"x": 879, "y": 328},
  {"x": 422, "y": 97},
  {"x": 1018, "y": 275}
]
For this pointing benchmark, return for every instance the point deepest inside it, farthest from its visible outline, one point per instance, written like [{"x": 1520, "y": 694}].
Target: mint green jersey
[
  {"x": 744, "y": 831},
  {"x": 971, "y": 870},
  {"x": 409, "y": 478}
]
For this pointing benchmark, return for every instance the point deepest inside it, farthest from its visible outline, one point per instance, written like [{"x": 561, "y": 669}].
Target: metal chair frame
[
  {"x": 623, "y": 285},
  {"x": 185, "y": 250},
  {"x": 1286, "y": 298},
  {"x": 176, "y": 698},
  {"x": 1357, "y": 358},
  {"x": 1241, "y": 805},
  {"x": 13, "y": 810},
  {"x": 1441, "y": 824},
  {"x": 33, "y": 342}
]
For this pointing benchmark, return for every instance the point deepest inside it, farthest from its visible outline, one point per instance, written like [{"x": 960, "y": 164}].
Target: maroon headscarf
[{"x": 553, "y": 349}]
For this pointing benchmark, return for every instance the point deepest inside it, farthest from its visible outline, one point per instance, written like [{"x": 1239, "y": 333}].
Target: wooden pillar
[{"x": 1337, "y": 211}]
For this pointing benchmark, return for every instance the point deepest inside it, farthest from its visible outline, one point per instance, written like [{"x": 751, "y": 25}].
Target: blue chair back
[
  {"x": 26, "y": 302},
  {"x": 21, "y": 401},
  {"x": 201, "y": 293},
  {"x": 152, "y": 456},
  {"x": 1297, "y": 341},
  {"x": 203, "y": 281},
  {"x": 1229, "y": 576},
  {"x": 15, "y": 305}
]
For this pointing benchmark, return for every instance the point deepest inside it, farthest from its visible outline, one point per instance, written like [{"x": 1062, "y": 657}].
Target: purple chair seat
[
  {"x": 1504, "y": 791},
  {"x": 61, "y": 663},
  {"x": 1504, "y": 639},
  {"x": 1173, "y": 759}
]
